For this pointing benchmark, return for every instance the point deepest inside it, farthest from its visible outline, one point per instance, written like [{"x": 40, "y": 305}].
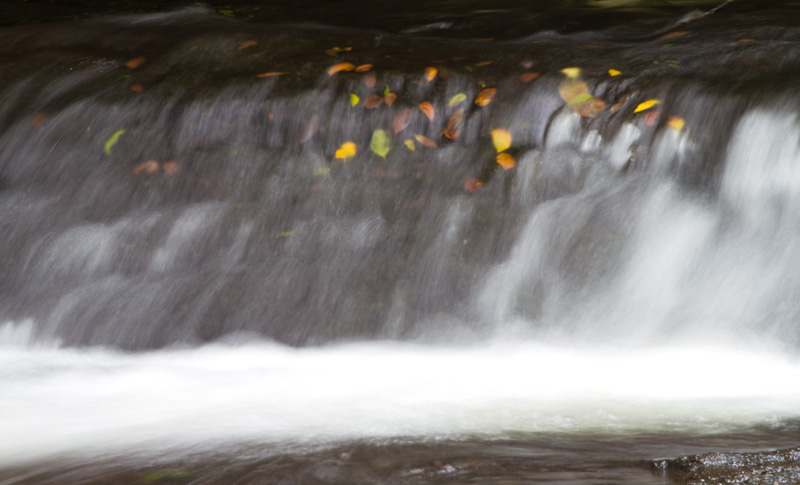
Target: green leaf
[
  {"x": 457, "y": 99},
  {"x": 386, "y": 91},
  {"x": 165, "y": 475},
  {"x": 381, "y": 144},
  {"x": 285, "y": 233},
  {"x": 322, "y": 171},
  {"x": 353, "y": 99},
  {"x": 111, "y": 141}
]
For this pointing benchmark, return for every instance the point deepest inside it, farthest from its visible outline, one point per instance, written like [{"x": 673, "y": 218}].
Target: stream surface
[{"x": 195, "y": 289}]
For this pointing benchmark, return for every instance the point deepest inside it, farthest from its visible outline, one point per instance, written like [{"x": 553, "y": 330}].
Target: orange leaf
[
  {"x": 137, "y": 88},
  {"x": 484, "y": 63},
  {"x": 364, "y": 68},
  {"x": 134, "y": 63},
  {"x": 342, "y": 66},
  {"x": 150, "y": 166},
  {"x": 454, "y": 124},
  {"x": 430, "y": 73},
  {"x": 529, "y": 76},
  {"x": 427, "y": 108},
  {"x": 248, "y": 43},
  {"x": 506, "y": 161},
  {"x": 390, "y": 98},
  {"x": 402, "y": 120},
  {"x": 676, "y": 123},
  {"x": 471, "y": 185},
  {"x": 171, "y": 167},
  {"x": 271, "y": 74},
  {"x": 672, "y": 35},
  {"x": 373, "y": 101},
  {"x": 425, "y": 141},
  {"x": 485, "y": 97},
  {"x": 370, "y": 81}
]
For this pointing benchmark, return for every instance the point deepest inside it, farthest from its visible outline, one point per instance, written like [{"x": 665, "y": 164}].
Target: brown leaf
[
  {"x": 370, "y": 81},
  {"x": 471, "y": 185},
  {"x": 485, "y": 97},
  {"x": 402, "y": 120},
  {"x": 425, "y": 141},
  {"x": 484, "y": 63},
  {"x": 311, "y": 129},
  {"x": 244, "y": 45},
  {"x": 672, "y": 35},
  {"x": 427, "y": 108},
  {"x": 373, "y": 101},
  {"x": 134, "y": 63},
  {"x": 454, "y": 124},
  {"x": 527, "y": 77},
  {"x": 342, "y": 66},
  {"x": 150, "y": 166},
  {"x": 137, "y": 88},
  {"x": 364, "y": 68},
  {"x": 171, "y": 168},
  {"x": 589, "y": 108},
  {"x": 271, "y": 74},
  {"x": 390, "y": 98}
]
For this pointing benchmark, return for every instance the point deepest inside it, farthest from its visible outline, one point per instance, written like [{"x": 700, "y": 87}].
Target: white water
[
  {"x": 722, "y": 268},
  {"x": 67, "y": 402}
]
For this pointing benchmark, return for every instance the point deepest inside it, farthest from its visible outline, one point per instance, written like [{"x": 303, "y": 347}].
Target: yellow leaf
[
  {"x": 343, "y": 66},
  {"x": 501, "y": 139},
  {"x": 485, "y": 97},
  {"x": 410, "y": 145},
  {"x": 457, "y": 99},
  {"x": 380, "y": 144},
  {"x": 112, "y": 141},
  {"x": 676, "y": 123},
  {"x": 572, "y": 72},
  {"x": 646, "y": 105},
  {"x": 614, "y": 72},
  {"x": 347, "y": 150},
  {"x": 353, "y": 99},
  {"x": 506, "y": 161},
  {"x": 430, "y": 73}
]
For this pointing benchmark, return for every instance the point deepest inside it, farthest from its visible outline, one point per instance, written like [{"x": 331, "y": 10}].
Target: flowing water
[{"x": 195, "y": 290}]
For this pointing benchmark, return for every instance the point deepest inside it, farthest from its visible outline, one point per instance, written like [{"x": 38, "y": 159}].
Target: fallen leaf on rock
[
  {"x": 134, "y": 63},
  {"x": 457, "y": 99},
  {"x": 373, "y": 101},
  {"x": 347, "y": 150},
  {"x": 370, "y": 81},
  {"x": 171, "y": 167},
  {"x": 401, "y": 121},
  {"x": 746, "y": 40},
  {"x": 471, "y": 185},
  {"x": 484, "y": 63},
  {"x": 506, "y": 161},
  {"x": 501, "y": 139},
  {"x": 646, "y": 105},
  {"x": 271, "y": 74},
  {"x": 333, "y": 52},
  {"x": 572, "y": 72},
  {"x": 380, "y": 144},
  {"x": 150, "y": 166},
  {"x": 248, "y": 43},
  {"x": 430, "y": 73},
  {"x": 353, "y": 99},
  {"x": 485, "y": 97},
  {"x": 527, "y": 77},
  {"x": 38, "y": 118},
  {"x": 672, "y": 35},
  {"x": 410, "y": 145},
  {"x": 342, "y": 66},
  {"x": 112, "y": 141},
  {"x": 676, "y": 123},
  {"x": 454, "y": 124},
  {"x": 427, "y": 108},
  {"x": 526, "y": 64},
  {"x": 390, "y": 98},
  {"x": 425, "y": 141},
  {"x": 311, "y": 129},
  {"x": 364, "y": 68},
  {"x": 137, "y": 88},
  {"x": 614, "y": 72},
  {"x": 651, "y": 118}
]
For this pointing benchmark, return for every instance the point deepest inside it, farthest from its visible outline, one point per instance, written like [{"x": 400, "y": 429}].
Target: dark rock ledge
[{"x": 767, "y": 467}]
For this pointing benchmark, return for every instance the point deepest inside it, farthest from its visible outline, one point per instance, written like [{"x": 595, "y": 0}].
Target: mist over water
[{"x": 625, "y": 277}]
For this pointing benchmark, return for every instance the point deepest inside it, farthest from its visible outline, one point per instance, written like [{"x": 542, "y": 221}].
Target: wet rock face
[{"x": 769, "y": 467}]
